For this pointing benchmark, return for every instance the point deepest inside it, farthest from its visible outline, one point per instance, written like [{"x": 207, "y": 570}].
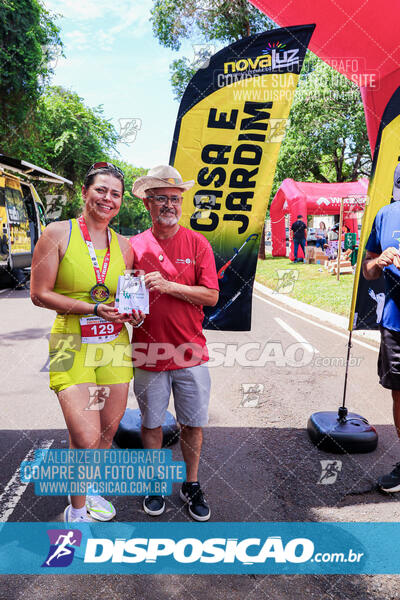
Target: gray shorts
[{"x": 191, "y": 391}]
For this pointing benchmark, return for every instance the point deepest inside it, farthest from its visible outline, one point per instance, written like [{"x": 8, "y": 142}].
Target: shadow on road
[
  {"x": 22, "y": 336},
  {"x": 16, "y": 294},
  {"x": 248, "y": 474}
]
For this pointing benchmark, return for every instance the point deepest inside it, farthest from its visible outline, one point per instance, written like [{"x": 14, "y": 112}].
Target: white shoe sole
[
  {"x": 95, "y": 515},
  {"x": 99, "y": 517},
  {"x": 65, "y": 515},
  {"x": 192, "y": 514},
  {"x": 153, "y": 513},
  {"x": 393, "y": 489}
]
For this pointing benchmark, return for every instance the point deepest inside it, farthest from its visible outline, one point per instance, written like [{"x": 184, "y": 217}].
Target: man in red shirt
[{"x": 169, "y": 348}]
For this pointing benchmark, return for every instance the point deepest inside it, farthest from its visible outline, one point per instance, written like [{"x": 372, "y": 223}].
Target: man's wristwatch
[{"x": 139, "y": 324}]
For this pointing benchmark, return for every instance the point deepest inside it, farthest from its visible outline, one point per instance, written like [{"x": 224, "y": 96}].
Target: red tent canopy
[
  {"x": 298, "y": 198},
  {"x": 359, "y": 39}
]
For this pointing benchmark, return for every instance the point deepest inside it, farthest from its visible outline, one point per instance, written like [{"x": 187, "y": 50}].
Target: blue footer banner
[{"x": 204, "y": 548}]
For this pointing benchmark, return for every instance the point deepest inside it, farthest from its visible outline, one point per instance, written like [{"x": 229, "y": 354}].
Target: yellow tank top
[{"x": 76, "y": 276}]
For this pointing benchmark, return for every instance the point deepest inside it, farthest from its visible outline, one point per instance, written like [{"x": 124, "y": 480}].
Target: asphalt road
[{"x": 257, "y": 461}]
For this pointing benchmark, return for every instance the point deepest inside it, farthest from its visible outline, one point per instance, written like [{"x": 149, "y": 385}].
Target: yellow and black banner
[
  {"x": 230, "y": 125},
  {"x": 384, "y": 187}
]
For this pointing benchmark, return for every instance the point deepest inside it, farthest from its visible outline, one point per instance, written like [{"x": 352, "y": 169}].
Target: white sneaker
[
  {"x": 69, "y": 519},
  {"x": 98, "y": 507}
]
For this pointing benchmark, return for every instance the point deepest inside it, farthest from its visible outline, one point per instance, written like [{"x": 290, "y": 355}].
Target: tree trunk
[
  {"x": 336, "y": 163},
  {"x": 356, "y": 167},
  {"x": 318, "y": 175}
]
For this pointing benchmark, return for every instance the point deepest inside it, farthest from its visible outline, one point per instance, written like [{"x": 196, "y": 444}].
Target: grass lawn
[{"x": 319, "y": 288}]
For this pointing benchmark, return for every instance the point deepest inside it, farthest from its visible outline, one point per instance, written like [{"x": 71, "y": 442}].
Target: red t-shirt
[{"x": 171, "y": 336}]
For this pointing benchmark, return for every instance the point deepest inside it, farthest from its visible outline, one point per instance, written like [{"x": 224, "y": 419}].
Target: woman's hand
[{"x": 108, "y": 312}]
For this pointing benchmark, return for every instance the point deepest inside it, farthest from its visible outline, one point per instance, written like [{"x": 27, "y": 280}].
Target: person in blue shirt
[{"x": 383, "y": 256}]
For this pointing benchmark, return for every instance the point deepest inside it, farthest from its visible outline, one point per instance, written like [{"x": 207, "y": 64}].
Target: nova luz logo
[
  {"x": 274, "y": 57},
  {"x": 190, "y": 550}
]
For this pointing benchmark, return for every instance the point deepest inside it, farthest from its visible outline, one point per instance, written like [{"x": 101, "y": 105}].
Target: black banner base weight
[
  {"x": 128, "y": 432},
  {"x": 342, "y": 433}
]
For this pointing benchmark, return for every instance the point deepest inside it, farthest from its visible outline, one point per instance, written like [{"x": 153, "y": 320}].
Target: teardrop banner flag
[
  {"x": 384, "y": 189},
  {"x": 229, "y": 128}
]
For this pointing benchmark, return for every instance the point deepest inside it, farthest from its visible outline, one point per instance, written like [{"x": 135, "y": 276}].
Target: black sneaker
[
  {"x": 191, "y": 494},
  {"x": 391, "y": 481},
  {"x": 154, "y": 505}
]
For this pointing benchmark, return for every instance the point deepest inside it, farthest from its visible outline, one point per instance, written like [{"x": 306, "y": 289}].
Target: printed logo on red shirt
[{"x": 187, "y": 261}]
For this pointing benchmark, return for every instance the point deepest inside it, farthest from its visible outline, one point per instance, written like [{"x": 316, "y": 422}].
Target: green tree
[
  {"x": 74, "y": 134},
  {"x": 70, "y": 136},
  {"x": 66, "y": 137},
  {"x": 326, "y": 139},
  {"x": 29, "y": 40},
  {"x": 202, "y": 21},
  {"x": 133, "y": 217}
]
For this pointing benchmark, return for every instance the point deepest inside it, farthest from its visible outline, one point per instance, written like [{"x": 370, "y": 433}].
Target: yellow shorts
[{"x": 72, "y": 362}]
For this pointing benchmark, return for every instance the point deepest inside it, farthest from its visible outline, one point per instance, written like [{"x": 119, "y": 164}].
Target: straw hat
[{"x": 160, "y": 177}]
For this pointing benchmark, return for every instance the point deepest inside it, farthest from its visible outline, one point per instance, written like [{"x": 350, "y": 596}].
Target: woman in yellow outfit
[{"x": 75, "y": 270}]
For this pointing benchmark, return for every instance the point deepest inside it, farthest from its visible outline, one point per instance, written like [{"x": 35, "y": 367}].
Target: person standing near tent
[
  {"x": 181, "y": 276},
  {"x": 383, "y": 257},
  {"x": 299, "y": 236}
]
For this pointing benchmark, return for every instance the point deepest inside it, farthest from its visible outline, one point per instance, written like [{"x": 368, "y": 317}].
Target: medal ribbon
[{"x": 100, "y": 275}]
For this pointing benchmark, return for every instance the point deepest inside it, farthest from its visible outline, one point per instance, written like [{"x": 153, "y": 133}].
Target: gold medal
[{"x": 99, "y": 293}]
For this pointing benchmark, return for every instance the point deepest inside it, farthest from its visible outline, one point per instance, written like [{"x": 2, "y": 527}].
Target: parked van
[{"x": 22, "y": 214}]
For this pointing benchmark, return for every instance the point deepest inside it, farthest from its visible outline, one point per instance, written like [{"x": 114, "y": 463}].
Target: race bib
[{"x": 95, "y": 330}]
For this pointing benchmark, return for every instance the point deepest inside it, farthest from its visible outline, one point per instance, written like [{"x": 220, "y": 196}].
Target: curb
[{"x": 316, "y": 313}]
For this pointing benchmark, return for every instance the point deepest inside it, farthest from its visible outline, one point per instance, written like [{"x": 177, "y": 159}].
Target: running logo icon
[
  {"x": 97, "y": 397},
  {"x": 286, "y": 280},
  {"x": 330, "y": 469},
  {"x": 128, "y": 129},
  {"x": 277, "y": 130},
  {"x": 252, "y": 395},
  {"x": 61, "y": 553}
]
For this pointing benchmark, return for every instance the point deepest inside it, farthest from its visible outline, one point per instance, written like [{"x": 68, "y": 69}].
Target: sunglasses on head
[{"x": 104, "y": 165}]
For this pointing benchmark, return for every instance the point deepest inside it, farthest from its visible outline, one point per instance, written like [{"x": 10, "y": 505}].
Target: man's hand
[
  {"x": 155, "y": 282},
  {"x": 137, "y": 318},
  {"x": 195, "y": 294},
  {"x": 373, "y": 264},
  {"x": 390, "y": 256}
]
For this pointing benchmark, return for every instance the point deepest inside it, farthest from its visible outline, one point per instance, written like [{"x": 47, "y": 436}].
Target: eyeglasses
[
  {"x": 104, "y": 165},
  {"x": 160, "y": 200}
]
